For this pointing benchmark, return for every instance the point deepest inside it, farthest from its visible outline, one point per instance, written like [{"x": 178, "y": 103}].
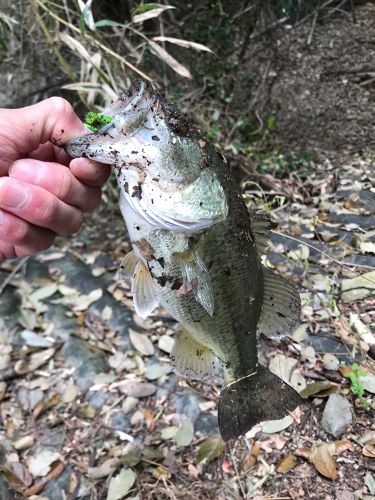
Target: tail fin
[{"x": 253, "y": 399}]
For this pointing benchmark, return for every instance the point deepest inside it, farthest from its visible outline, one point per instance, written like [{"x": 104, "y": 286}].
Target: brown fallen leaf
[
  {"x": 150, "y": 422},
  {"x": 17, "y": 475},
  {"x": 369, "y": 450},
  {"x": 303, "y": 452},
  {"x": 161, "y": 472},
  {"x": 34, "y": 361},
  {"x": 321, "y": 457},
  {"x": 137, "y": 388},
  {"x": 286, "y": 464},
  {"x": 343, "y": 445},
  {"x": 57, "y": 468}
]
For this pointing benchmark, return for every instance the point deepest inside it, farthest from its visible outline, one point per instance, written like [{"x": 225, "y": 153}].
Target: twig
[
  {"x": 352, "y": 8},
  {"x": 10, "y": 276},
  {"x": 347, "y": 265},
  {"x": 309, "y": 38},
  {"x": 238, "y": 478}
]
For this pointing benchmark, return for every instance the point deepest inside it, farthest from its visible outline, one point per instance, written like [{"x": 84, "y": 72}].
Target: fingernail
[{"x": 13, "y": 195}]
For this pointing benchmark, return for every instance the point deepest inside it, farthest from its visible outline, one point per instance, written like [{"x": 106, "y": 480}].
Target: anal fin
[
  {"x": 281, "y": 306},
  {"x": 191, "y": 359}
]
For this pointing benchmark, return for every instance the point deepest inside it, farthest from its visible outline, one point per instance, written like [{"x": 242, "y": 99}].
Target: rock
[
  {"x": 206, "y": 423},
  {"x": 337, "y": 415},
  {"x": 56, "y": 488},
  {"x": 330, "y": 362},
  {"x": 120, "y": 421},
  {"x": 4, "y": 489},
  {"x": 187, "y": 403}
]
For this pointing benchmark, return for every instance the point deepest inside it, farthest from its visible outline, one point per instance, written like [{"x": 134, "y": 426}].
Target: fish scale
[{"x": 196, "y": 252}]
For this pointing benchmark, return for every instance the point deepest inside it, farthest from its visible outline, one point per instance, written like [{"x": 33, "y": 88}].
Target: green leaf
[
  {"x": 121, "y": 484},
  {"x": 144, "y": 8},
  {"x": 370, "y": 483},
  {"x": 185, "y": 433},
  {"x": 102, "y": 23},
  {"x": 210, "y": 449},
  {"x": 318, "y": 389},
  {"x": 169, "y": 432}
]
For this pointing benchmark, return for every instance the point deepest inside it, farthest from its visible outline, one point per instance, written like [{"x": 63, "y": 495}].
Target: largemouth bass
[{"x": 196, "y": 252}]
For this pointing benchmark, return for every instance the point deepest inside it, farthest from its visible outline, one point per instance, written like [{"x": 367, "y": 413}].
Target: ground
[{"x": 88, "y": 402}]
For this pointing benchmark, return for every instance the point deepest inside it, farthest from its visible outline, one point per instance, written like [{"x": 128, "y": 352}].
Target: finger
[
  {"x": 38, "y": 206},
  {"x": 58, "y": 180},
  {"x": 52, "y": 120},
  {"x": 50, "y": 152},
  {"x": 90, "y": 172},
  {"x": 19, "y": 238}
]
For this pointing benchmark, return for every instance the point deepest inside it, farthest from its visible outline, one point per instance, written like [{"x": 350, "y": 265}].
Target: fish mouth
[{"x": 129, "y": 106}]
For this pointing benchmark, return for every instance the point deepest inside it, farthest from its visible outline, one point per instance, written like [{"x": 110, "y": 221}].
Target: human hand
[{"x": 40, "y": 197}]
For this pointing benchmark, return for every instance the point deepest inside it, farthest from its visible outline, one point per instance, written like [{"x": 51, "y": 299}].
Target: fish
[{"x": 196, "y": 251}]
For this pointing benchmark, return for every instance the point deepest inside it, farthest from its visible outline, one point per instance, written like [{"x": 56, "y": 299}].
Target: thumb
[
  {"x": 53, "y": 120},
  {"x": 23, "y": 130}
]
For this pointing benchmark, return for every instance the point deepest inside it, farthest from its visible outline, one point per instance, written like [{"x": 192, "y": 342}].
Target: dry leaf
[
  {"x": 34, "y": 361},
  {"x": 57, "y": 468},
  {"x": 149, "y": 14},
  {"x": 321, "y": 457},
  {"x": 141, "y": 342},
  {"x": 343, "y": 445},
  {"x": 369, "y": 450},
  {"x": 136, "y": 388},
  {"x": 286, "y": 464},
  {"x": 121, "y": 484},
  {"x": 162, "y": 473},
  {"x": 182, "y": 43},
  {"x": 168, "y": 59}
]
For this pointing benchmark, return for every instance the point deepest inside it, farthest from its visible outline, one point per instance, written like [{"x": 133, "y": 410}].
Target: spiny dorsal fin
[
  {"x": 191, "y": 359},
  {"x": 260, "y": 225},
  {"x": 281, "y": 306}
]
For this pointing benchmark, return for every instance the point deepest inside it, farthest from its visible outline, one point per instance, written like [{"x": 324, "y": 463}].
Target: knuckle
[
  {"x": 65, "y": 185},
  {"x": 48, "y": 211},
  {"x": 60, "y": 105},
  {"x": 77, "y": 222}
]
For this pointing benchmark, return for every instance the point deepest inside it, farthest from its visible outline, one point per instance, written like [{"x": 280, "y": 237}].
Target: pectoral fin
[
  {"x": 145, "y": 295},
  {"x": 191, "y": 359},
  {"x": 281, "y": 306},
  {"x": 127, "y": 267},
  {"x": 195, "y": 271}
]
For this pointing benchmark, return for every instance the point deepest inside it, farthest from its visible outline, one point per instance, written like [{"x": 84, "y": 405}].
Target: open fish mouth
[{"x": 126, "y": 112}]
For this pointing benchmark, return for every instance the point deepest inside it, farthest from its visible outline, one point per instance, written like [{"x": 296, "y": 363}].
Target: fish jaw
[{"x": 146, "y": 133}]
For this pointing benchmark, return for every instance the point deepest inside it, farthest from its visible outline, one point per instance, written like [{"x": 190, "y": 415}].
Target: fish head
[{"x": 147, "y": 134}]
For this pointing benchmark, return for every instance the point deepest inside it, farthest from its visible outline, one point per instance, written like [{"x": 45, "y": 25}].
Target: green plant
[
  {"x": 354, "y": 373},
  {"x": 95, "y": 121}
]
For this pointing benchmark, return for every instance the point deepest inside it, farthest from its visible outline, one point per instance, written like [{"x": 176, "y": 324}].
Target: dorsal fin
[
  {"x": 260, "y": 226},
  {"x": 281, "y": 306}
]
